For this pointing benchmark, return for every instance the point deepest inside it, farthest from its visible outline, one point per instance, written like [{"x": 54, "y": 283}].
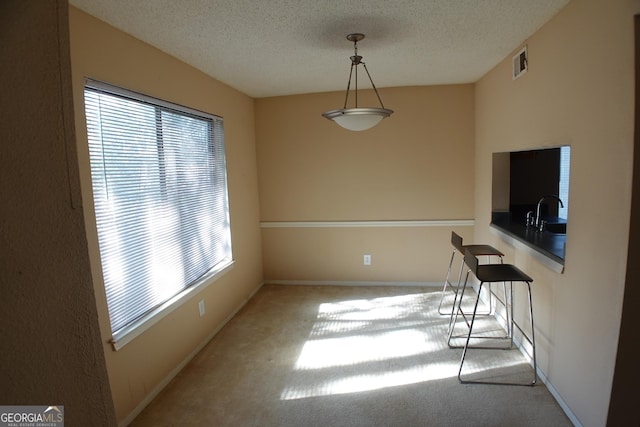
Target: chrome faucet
[
  {"x": 539, "y": 224},
  {"x": 530, "y": 221}
]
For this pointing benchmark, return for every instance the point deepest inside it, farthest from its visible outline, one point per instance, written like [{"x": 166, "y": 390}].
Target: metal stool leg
[
  {"x": 447, "y": 283},
  {"x": 492, "y": 309},
  {"x": 466, "y": 345},
  {"x": 459, "y": 301},
  {"x": 532, "y": 340},
  {"x": 476, "y": 250},
  {"x": 456, "y": 309},
  {"x": 533, "y": 337},
  {"x": 455, "y": 299}
]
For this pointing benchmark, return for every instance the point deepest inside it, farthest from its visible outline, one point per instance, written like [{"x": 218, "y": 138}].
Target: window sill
[{"x": 125, "y": 335}]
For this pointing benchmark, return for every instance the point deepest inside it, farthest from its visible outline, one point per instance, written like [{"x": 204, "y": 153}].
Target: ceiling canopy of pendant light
[{"x": 358, "y": 118}]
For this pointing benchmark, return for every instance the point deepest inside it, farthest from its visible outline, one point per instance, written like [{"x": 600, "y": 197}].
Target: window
[
  {"x": 563, "y": 181},
  {"x": 530, "y": 201},
  {"x": 160, "y": 196},
  {"x": 538, "y": 173}
]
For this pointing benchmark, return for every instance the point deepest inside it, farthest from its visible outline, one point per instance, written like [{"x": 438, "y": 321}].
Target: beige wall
[
  {"x": 100, "y": 52},
  {"x": 421, "y": 164},
  {"x": 51, "y": 351},
  {"x": 578, "y": 91},
  {"x": 416, "y": 165}
]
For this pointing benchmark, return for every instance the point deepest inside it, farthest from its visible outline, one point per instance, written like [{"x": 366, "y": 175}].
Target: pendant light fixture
[{"x": 358, "y": 118}]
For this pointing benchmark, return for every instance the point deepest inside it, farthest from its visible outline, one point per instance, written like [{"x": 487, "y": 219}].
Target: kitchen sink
[{"x": 556, "y": 227}]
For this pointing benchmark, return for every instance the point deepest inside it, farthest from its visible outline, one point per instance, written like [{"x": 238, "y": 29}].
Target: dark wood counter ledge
[{"x": 548, "y": 244}]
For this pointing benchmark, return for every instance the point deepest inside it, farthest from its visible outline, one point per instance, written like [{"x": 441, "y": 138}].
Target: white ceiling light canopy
[{"x": 356, "y": 118}]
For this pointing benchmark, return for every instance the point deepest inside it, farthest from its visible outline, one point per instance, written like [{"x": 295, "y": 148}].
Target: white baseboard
[
  {"x": 572, "y": 417},
  {"x": 350, "y": 283},
  {"x": 526, "y": 352},
  {"x": 175, "y": 371}
]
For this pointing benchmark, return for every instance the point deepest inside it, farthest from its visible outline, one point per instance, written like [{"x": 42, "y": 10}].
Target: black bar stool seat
[{"x": 491, "y": 273}]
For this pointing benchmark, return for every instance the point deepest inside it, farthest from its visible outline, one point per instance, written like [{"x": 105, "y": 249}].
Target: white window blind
[
  {"x": 160, "y": 196},
  {"x": 563, "y": 181}
]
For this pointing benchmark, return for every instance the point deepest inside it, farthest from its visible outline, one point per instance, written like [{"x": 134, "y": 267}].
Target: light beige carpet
[{"x": 346, "y": 356}]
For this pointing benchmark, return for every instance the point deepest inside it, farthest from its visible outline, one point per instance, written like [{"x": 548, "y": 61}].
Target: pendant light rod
[
  {"x": 373, "y": 85},
  {"x": 355, "y": 61},
  {"x": 346, "y": 95}
]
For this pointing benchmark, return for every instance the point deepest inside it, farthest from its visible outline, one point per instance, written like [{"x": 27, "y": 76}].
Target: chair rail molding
[{"x": 371, "y": 224}]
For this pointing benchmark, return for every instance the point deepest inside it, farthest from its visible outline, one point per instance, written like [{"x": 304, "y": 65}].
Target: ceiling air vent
[{"x": 520, "y": 63}]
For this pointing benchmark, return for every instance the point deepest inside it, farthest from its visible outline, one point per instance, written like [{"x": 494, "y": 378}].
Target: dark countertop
[{"x": 547, "y": 243}]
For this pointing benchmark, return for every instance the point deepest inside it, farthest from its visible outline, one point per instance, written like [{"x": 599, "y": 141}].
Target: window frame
[{"x": 128, "y": 333}]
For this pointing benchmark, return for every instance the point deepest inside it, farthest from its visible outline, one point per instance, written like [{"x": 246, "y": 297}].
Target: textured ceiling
[{"x": 283, "y": 47}]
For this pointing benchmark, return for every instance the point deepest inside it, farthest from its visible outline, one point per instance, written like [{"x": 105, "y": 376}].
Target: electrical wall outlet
[
  {"x": 366, "y": 260},
  {"x": 201, "y": 307}
]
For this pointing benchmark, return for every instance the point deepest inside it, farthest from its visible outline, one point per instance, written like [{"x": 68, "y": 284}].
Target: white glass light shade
[{"x": 357, "y": 119}]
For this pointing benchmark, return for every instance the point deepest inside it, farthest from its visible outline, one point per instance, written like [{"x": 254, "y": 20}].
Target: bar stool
[
  {"x": 477, "y": 250},
  {"x": 491, "y": 273}
]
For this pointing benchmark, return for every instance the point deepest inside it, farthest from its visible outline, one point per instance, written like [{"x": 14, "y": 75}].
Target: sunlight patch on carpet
[
  {"x": 370, "y": 344},
  {"x": 369, "y": 382},
  {"x": 355, "y": 349}
]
